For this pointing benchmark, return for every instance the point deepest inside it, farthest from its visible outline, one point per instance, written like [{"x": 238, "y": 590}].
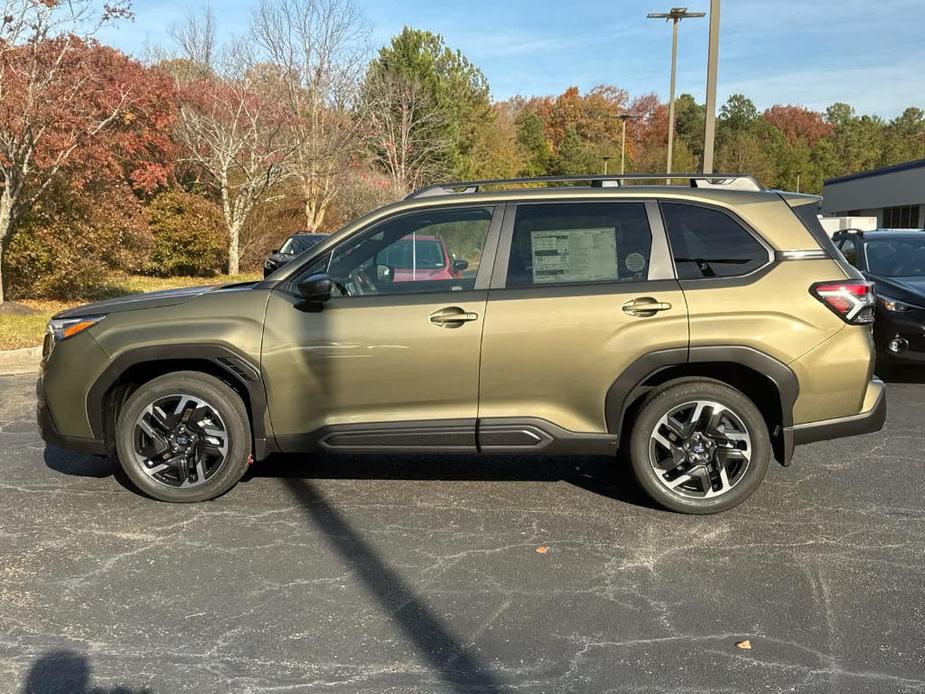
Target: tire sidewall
[
  {"x": 230, "y": 408},
  {"x": 666, "y": 399}
]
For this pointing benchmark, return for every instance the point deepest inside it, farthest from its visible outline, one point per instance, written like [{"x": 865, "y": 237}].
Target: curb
[{"x": 20, "y": 361}]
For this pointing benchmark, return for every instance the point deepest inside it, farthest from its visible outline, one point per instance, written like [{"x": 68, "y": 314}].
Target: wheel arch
[
  {"x": 132, "y": 369},
  {"x": 769, "y": 383}
]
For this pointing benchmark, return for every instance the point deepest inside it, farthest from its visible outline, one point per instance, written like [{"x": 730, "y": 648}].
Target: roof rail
[{"x": 718, "y": 180}]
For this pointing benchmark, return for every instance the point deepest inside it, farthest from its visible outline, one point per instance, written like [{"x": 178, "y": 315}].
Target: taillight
[{"x": 852, "y": 300}]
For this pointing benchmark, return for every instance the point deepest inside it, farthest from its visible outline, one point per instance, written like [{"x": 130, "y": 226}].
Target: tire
[
  {"x": 208, "y": 442},
  {"x": 724, "y": 452}
]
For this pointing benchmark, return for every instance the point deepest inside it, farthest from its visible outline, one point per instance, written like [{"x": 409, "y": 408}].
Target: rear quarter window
[{"x": 707, "y": 243}]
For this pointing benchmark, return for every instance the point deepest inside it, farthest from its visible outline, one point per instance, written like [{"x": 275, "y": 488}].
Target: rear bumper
[{"x": 870, "y": 419}]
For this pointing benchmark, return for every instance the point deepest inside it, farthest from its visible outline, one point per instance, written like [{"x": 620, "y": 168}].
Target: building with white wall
[{"x": 895, "y": 195}]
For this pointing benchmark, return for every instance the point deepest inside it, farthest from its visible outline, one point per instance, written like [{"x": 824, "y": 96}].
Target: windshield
[
  {"x": 297, "y": 244},
  {"x": 896, "y": 257},
  {"x": 423, "y": 254}
]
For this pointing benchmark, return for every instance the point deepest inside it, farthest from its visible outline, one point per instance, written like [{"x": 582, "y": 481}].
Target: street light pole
[
  {"x": 709, "y": 129},
  {"x": 623, "y": 118},
  {"x": 674, "y": 68},
  {"x": 675, "y": 15}
]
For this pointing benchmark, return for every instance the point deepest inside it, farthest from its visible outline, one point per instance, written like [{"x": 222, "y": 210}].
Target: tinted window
[
  {"x": 437, "y": 250},
  {"x": 848, "y": 250},
  {"x": 564, "y": 243},
  {"x": 297, "y": 244},
  {"x": 896, "y": 257},
  {"x": 710, "y": 243}
]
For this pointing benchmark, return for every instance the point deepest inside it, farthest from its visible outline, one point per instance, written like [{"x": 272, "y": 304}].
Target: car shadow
[
  {"x": 903, "y": 374},
  {"x": 600, "y": 475}
]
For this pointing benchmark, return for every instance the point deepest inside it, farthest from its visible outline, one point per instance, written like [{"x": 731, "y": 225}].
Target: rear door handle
[
  {"x": 452, "y": 317},
  {"x": 644, "y": 306}
]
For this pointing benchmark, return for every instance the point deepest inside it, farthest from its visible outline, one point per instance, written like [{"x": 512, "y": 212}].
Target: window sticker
[
  {"x": 574, "y": 255},
  {"x": 635, "y": 262}
]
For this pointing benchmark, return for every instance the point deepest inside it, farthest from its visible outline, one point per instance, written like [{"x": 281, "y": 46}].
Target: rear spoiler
[
  {"x": 806, "y": 208},
  {"x": 799, "y": 199}
]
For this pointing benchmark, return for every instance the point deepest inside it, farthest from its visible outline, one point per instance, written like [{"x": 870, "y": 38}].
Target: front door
[
  {"x": 580, "y": 291},
  {"x": 392, "y": 359}
]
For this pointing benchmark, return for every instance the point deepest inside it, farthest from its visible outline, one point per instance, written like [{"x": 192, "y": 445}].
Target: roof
[
  {"x": 721, "y": 181},
  {"x": 905, "y": 166}
]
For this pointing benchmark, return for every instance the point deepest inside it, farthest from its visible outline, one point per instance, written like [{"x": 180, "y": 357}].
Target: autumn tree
[
  {"x": 406, "y": 130},
  {"x": 52, "y": 103},
  {"x": 317, "y": 49},
  {"x": 231, "y": 130}
]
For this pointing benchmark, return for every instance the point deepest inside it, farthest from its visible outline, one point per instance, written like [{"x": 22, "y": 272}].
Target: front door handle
[
  {"x": 645, "y": 306},
  {"x": 452, "y": 317}
]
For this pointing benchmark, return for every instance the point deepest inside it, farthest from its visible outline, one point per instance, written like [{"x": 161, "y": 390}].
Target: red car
[{"x": 418, "y": 258}]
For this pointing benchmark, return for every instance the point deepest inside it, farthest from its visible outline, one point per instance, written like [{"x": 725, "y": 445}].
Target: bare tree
[
  {"x": 319, "y": 48},
  {"x": 229, "y": 125},
  {"x": 37, "y": 40},
  {"x": 402, "y": 127}
]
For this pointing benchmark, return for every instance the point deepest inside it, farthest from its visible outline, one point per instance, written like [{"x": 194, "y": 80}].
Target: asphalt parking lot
[{"x": 421, "y": 574}]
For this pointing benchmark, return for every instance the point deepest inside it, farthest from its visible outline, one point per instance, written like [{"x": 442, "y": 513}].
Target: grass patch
[{"x": 18, "y": 331}]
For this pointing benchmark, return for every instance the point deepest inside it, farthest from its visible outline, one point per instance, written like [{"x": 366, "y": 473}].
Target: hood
[
  {"x": 911, "y": 289},
  {"x": 133, "y": 302}
]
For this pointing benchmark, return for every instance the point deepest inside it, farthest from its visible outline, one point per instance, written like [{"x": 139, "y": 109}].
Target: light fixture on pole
[{"x": 675, "y": 15}]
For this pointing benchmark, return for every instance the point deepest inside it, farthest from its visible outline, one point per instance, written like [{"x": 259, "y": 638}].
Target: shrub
[
  {"x": 65, "y": 248},
  {"x": 189, "y": 236}
]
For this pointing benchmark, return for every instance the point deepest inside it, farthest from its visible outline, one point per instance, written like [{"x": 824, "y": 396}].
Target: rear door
[{"x": 580, "y": 290}]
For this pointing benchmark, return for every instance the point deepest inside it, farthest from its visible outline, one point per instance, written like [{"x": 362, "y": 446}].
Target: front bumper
[
  {"x": 49, "y": 431},
  {"x": 870, "y": 419}
]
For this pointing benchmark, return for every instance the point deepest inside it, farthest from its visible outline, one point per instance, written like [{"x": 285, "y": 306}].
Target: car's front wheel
[
  {"x": 699, "y": 446},
  {"x": 184, "y": 437}
]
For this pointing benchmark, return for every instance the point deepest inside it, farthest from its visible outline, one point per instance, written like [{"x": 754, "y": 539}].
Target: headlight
[
  {"x": 267, "y": 264},
  {"x": 895, "y": 305},
  {"x": 63, "y": 328}
]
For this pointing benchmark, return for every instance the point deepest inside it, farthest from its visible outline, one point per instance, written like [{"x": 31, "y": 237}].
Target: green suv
[{"x": 690, "y": 331}]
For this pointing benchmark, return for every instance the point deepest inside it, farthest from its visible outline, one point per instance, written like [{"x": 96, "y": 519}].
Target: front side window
[
  {"x": 567, "y": 243},
  {"x": 431, "y": 251},
  {"x": 707, "y": 243}
]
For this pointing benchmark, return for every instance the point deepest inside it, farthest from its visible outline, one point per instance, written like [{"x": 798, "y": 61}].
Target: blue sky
[{"x": 868, "y": 53}]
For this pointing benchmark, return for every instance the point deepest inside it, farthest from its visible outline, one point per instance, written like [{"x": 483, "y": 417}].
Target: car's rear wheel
[
  {"x": 699, "y": 447},
  {"x": 183, "y": 437}
]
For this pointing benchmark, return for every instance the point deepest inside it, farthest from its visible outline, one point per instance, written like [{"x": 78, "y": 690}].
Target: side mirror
[
  {"x": 274, "y": 251},
  {"x": 384, "y": 274},
  {"x": 459, "y": 265},
  {"x": 315, "y": 289}
]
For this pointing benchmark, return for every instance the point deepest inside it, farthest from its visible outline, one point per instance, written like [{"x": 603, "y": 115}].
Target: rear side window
[
  {"x": 708, "y": 243},
  {"x": 568, "y": 243},
  {"x": 849, "y": 250}
]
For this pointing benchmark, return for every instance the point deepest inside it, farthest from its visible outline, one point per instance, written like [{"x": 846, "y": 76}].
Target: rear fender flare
[{"x": 629, "y": 385}]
